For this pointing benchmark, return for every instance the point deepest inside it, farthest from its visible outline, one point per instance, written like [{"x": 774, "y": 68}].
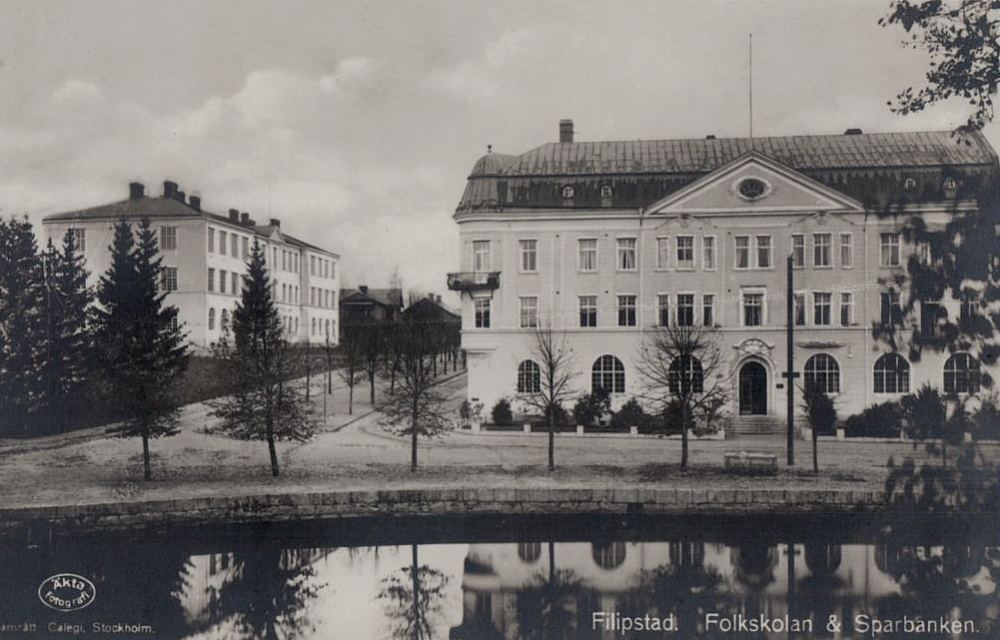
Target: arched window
[
  {"x": 211, "y": 319},
  {"x": 686, "y": 376},
  {"x": 822, "y": 372},
  {"x": 529, "y": 551},
  {"x": 892, "y": 374},
  {"x": 961, "y": 374},
  {"x": 608, "y": 555},
  {"x": 608, "y": 373},
  {"x": 529, "y": 377}
]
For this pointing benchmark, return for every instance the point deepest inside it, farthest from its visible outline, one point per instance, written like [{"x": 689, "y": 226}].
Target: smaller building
[{"x": 362, "y": 305}]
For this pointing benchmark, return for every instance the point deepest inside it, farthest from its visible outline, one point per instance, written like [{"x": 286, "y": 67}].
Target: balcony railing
[{"x": 474, "y": 280}]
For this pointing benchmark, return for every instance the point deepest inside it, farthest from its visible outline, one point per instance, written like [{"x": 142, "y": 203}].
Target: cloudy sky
[{"x": 356, "y": 123}]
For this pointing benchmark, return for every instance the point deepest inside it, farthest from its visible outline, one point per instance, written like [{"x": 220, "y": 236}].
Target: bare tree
[
  {"x": 549, "y": 385},
  {"x": 683, "y": 364},
  {"x": 352, "y": 351},
  {"x": 417, "y": 408}
]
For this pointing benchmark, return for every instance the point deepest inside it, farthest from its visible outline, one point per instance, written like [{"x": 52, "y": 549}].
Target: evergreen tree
[
  {"x": 21, "y": 287},
  {"x": 65, "y": 344},
  {"x": 142, "y": 348},
  {"x": 266, "y": 405}
]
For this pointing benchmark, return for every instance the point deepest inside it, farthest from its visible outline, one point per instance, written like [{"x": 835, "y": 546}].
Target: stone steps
[{"x": 757, "y": 426}]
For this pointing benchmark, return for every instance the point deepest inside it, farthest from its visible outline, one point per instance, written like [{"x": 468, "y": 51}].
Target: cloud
[{"x": 77, "y": 91}]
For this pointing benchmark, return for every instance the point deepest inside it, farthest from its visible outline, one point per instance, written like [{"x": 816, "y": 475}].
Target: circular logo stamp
[{"x": 66, "y": 592}]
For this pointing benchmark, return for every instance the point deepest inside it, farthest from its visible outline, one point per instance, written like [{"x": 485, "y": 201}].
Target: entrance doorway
[{"x": 753, "y": 389}]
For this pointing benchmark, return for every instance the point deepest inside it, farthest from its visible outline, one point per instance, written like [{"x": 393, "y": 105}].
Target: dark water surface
[{"x": 496, "y": 578}]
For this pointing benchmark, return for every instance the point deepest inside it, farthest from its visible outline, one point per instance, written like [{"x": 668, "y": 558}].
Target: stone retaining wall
[{"x": 48, "y": 522}]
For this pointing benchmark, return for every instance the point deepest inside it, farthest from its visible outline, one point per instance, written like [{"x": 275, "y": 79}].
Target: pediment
[{"x": 754, "y": 183}]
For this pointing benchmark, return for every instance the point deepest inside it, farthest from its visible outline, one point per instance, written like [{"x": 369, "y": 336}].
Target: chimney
[
  {"x": 565, "y": 131},
  {"x": 234, "y": 215},
  {"x": 363, "y": 289},
  {"x": 437, "y": 298},
  {"x": 710, "y": 136},
  {"x": 169, "y": 189},
  {"x": 195, "y": 202},
  {"x": 136, "y": 191},
  {"x": 430, "y": 296},
  {"x": 244, "y": 218},
  {"x": 275, "y": 222},
  {"x": 853, "y": 132},
  {"x": 179, "y": 196}
]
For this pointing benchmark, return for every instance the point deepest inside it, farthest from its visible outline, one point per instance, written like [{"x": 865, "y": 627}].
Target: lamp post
[{"x": 790, "y": 374}]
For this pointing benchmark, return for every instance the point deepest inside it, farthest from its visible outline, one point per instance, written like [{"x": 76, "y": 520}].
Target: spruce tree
[
  {"x": 67, "y": 357},
  {"x": 21, "y": 287},
  {"x": 141, "y": 346},
  {"x": 266, "y": 404}
]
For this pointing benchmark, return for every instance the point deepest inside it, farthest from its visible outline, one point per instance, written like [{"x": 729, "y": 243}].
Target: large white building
[
  {"x": 204, "y": 259},
  {"x": 606, "y": 240}
]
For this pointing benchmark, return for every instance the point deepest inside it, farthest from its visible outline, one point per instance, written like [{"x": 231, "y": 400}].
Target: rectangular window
[
  {"x": 968, "y": 310},
  {"x": 626, "y": 254},
  {"x": 234, "y": 245},
  {"x": 846, "y": 250},
  {"x": 798, "y": 250},
  {"x": 626, "y": 311},
  {"x": 211, "y": 279},
  {"x": 685, "y": 252},
  {"x": 846, "y": 309},
  {"x": 236, "y": 282},
  {"x": 312, "y": 265},
  {"x": 663, "y": 310},
  {"x": 929, "y": 311},
  {"x": 211, "y": 240},
  {"x": 821, "y": 309},
  {"x": 222, "y": 243},
  {"x": 529, "y": 256},
  {"x": 246, "y": 248},
  {"x": 529, "y": 312},
  {"x": 892, "y": 311},
  {"x": 284, "y": 260},
  {"x": 685, "y": 310},
  {"x": 588, "y": 311},
  {"x": 222, "y": 281},
  {"x": 753, "y": 309},
  {"x": 168, "y": 238},
  {"x": 763, "y": 252},
  {"x": 708, "y": 309},
  {"x": 80, "y": 240},
  {"x": 742, "y": 252},
  {"x": 889, "y": 249},
  {"x": 168, "y": 279},
  {"x": 708, "y": 253},
  {"x": 587, "y": 254},
  {"x": 799, "y": 309},
  {"x": 480, "y": 256},
  {"x": 821, "y": 249},
  {"x": 662, "y": 252}
]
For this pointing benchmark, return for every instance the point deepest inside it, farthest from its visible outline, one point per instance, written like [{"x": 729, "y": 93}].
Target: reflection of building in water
[
  {"x": 208, "y": 575},
  {"x": 505, "y": 585}
]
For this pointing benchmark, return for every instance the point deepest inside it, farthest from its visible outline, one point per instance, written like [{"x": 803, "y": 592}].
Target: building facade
[
  {"x": 605, "y": 241},
  {"x": 204, "y": 259}
]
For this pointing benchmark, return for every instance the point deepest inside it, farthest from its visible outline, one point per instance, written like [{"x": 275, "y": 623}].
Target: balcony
[{"x": 474, "y": 281}]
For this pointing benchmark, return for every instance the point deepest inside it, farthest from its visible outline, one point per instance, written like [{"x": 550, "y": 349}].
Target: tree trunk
[
  {"x": 684, "y": 435},
  {"x": 371, "y": 387},
  {"x": 271, "y": 448},
  {"x": 329, "y": 380},
  {"x": 416, "y": 589},
  {"x": 552, "y": 439},
  {"x": 413, "y": 437},
  {"x": 350, "y": 400},
  {"x": 815, "y": 453},
  {"x": 147, "y": 470}
]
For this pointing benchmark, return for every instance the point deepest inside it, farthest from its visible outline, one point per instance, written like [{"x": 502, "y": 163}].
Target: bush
[
  {"x": 986, "y": 420},
  {"x": 502, "y": 414},
  {"x": 878, "y": 421},
  {"x": 820, "y": 412},
  {"x": 925, "y": 413},
  {"x": 669, "y": 421},
  {"x": 591, "y": 407},
  {"x": 562, "y": 419},
  {"x": 630, "y": 415}
]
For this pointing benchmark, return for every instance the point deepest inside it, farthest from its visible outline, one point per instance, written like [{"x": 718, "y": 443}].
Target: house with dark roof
[
  {"x": 606, "y": 240},
  {"x": 204, "y": 260},
  {"x": 363, "y": 305}
]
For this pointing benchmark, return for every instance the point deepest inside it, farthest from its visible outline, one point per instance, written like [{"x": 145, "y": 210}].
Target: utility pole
[{"x": 790, "y": 374}]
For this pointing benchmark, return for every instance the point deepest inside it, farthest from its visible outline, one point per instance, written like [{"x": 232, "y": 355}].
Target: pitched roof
[
  {"x": 873, "y": 150},
  {"x": 386, "y": 297}
]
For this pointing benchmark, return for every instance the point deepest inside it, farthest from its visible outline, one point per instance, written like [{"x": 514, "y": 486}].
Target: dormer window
[
  {"x": 606, "y": 191},
  {"x": 949, "y": 186},
  {"x": 568, "y": 192},
  {"x": 752, "y": 188},
  {"x": 909, "y": 184}
]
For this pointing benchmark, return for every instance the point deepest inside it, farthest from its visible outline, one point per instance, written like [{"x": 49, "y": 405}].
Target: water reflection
[{"x": 537, "y": 589}]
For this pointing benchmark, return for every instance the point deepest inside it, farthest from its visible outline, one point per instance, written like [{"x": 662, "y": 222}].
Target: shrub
[
  {"x": 986, "y": 420},
  {"x": 878, "y": 421},
  {"x": 820, "y": 412},
  {"x": 591, "y": 407},
  {"x": 502, "y": 414},
  {"x": 562, "y": 418},
  {"x": 925, "y": 413},
  {"x": 630, "y": 415},
  {"x": 669, "y": 421}
]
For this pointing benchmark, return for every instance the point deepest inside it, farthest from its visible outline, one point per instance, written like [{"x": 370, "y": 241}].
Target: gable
[{"x": 754, "y": 183}]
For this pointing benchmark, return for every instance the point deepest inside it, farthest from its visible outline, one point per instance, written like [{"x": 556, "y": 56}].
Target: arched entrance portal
[{"x": 753, "y": 389}]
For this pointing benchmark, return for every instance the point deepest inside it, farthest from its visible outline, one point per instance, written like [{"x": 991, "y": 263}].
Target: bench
[{"x": 751, "y": 462}]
